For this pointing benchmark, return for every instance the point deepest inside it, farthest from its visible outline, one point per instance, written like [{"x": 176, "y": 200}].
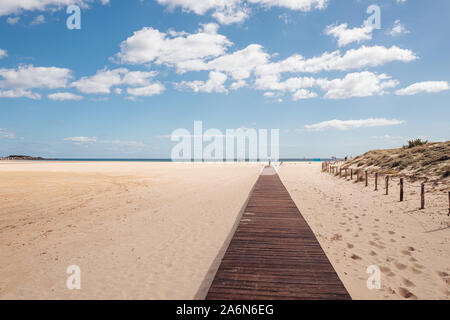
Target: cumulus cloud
[
  {"x": 240, "y": 64},
  {"x": 303, "y": 94},
  {"x": 235, "y": 11},
  {"x": 150, "y": 90},
  {"x": 336, "y": 61},
  {"x": 8, "y": 7},
  {"x": 359, "y": 84},
  {"x": 15, "y": 83},
  {"x": 215, "y": 83},
  {"x": 62, "y": 96},
  {"x": 104, "y": 80},
  {"x": 346, "y": 36},
  {"x": 425, "y": 86},
  {"x": 398, "y": 29},
  {"x": 238, "y": 84},
  {"x": 101, "y": 82},
  {"x": 352, "y": 124},
  {"x": 180, "y": 49}
]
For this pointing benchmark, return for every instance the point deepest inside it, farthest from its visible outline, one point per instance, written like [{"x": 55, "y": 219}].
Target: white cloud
[
  {"x": 12, "y": 20},
  {"x": 18, "y": 82},
  {"x": 6, "y": 134},
  {"x": 303, "y": 94},
  {"x": 426, "y": 86},
  {"x": 231, "y": 14},
  {"x": 8, "y": 7},
  {"x": 215, "y": 83},
  {"x": 238, "y": 84},
  {"x": 40, "y": 19},
  {"x": 301, "y": 5},
  {"x": 235, "y": 11},
  {"x": 62, "y": 96},
  {"x": 138, "y": 78},
  {"x": 353, "y": 124},
  {"x": 104, "y": 80},
  {"x": 359, "y": 84},
  {"x": 81, "y": 139},
  {"x": 28, "y": 77},
  {"x": 3, "y": 54},
  {"x": 352, "y": 59},
  {"x": 398, "y": 29},
  {"x": 180, "y": 49},
  {"x": 19, "y": 93},
  {"x": 101, "y": 82},
  {"x": 240, "y": 64},
  {"x": 346, "y": 36},
  {"x": 150, "y": 90}
]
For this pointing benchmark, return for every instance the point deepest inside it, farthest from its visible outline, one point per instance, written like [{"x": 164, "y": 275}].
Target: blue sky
[{"x": 139, "y": 69}]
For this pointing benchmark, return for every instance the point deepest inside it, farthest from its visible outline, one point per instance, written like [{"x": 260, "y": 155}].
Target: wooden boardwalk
[{"x": 274, "y": 254}]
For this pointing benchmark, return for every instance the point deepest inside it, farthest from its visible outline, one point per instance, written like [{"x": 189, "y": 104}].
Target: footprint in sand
[
  {"x": 444, "y": 276},
  {"x": 406, "y": 252},
  {"x": 350, "y": 246},
  {"x": 408, "y": 282},
  {"x": 405, "y": 293},
  {"x": 372, "y": 253},
  {"x": 400, "y": 266},
  {"x": 372, "y": 243},
  {"x": 355, "y": 257},
  {"x": 391, "y": 232},
  {"x": 385, "y": 269},
  {"x": 416, "y": 271}
]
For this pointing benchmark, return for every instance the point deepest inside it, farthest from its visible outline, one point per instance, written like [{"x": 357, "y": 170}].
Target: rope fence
[{"x": 337, "y": 170}]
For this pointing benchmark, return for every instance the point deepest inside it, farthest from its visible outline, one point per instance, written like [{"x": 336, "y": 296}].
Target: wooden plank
[{"x": 274, "y": 254}]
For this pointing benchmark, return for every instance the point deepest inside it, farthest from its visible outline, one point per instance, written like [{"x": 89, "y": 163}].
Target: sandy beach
[
  {"x": 136, "y": 230},
  {"x": 159, "y": 230},
  {"x": 358, "y": 227}
]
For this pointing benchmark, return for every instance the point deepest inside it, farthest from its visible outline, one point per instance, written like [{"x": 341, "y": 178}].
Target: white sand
[
  {"x": 358, "y": 227},
  {"x": 136, "y": 230}
]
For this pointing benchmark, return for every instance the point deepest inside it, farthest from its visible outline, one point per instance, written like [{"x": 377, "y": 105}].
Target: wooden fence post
[
  {"x": 401, "y": 189},
  {"x": 376, "y": 181},
  {"x": 448, "y": 204},
  {"x": 422, "y": 196},
  {"x": 351, "y": 174},
  {"x": 387, "y": 185},
  {"x": 357, "y": 175},
  {"x": 367, "y": 181},
  {"x": 340, "y": 172}
]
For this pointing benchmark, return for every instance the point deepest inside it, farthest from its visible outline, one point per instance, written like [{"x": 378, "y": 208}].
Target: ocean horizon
[{"x": 170, "y": 160}]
